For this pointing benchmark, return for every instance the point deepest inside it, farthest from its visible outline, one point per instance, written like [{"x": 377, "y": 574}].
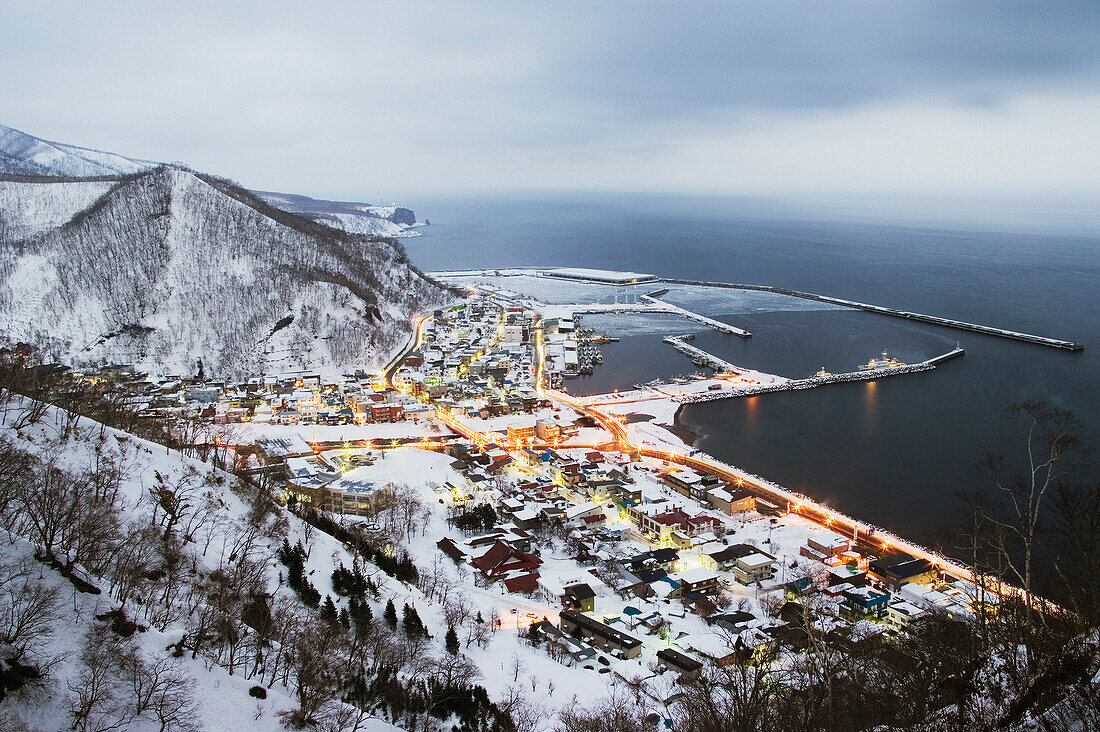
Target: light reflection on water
[{"x": 870, "y": 406}]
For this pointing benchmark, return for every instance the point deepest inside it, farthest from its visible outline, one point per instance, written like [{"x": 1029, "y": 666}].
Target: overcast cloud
[{"x": 383, "y": 100}]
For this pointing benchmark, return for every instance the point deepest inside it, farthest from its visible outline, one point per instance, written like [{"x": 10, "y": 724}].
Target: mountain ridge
[
  {"x": 126, "y": 269},
  {"x": 23, "y": 154}
]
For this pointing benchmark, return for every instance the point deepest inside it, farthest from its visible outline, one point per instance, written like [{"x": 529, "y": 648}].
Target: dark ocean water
[{"x": 894, "y": 451}]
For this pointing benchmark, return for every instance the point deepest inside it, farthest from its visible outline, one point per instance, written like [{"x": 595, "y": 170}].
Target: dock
[
  {"x": 698, "y": 355},
  {"x": 709, "y": 322},
  {"x": 815, "y": 381},
  {"x": 893, "y": 312}
]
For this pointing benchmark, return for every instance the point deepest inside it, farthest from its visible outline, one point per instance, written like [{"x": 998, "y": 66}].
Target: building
[
  {"x": 579, "y": 597},
  {"x": 681, "y": 663},
  {"x": 726, "y": 559},
  {"x": 864, "y": 603},
  {"x": 733, "y": 501},
  {"x": 754, "y": 568},
  {"x": 521, "y": 435},
  {"x": 503, "y": 558},
  {"x": 903, "y": 569},
  {"x": 600, "y": 634},
  {"x": 824, "y": 545},
  {"x": 561, "y": 645},
  {"x": 547, "y": 430},
  {"x": 698, "y": 581},
  {"x": 901, "y": 613}
]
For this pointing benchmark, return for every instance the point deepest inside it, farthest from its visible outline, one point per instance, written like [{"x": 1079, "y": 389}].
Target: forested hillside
[{"x": 167, "y": 267}]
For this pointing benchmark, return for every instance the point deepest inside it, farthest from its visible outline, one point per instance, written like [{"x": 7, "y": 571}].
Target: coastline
[{"x": 683, "y": 432}]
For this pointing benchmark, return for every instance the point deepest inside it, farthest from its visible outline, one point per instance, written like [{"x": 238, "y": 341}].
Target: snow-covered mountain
[
  {"x": 24, "y": 154},
  {"x": 167, "y": 266}
]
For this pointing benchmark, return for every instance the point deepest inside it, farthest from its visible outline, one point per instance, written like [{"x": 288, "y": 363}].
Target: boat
[
  {"x": 885, "y": 362},
  {"x": 823, "y": 372}
]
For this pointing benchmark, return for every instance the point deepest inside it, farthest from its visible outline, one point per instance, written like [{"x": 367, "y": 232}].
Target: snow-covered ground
[
  {"x": 222, "y": 701},
  {"x": 31, "y": 208}
]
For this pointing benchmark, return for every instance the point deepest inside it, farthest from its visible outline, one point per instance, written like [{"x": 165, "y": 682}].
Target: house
[
  {"x": 864, "y": 602},
  {"x": 681, "y": 663},
  {"x": 502, "y": 558},
  {"x": 524, "y": 583},
  {"x": 824, "y": 545},
  {"x": 733, "y": 501},
  {"x": 734, "y": 621},
  {"x": 799, "y": 587},
  {"x": 700, "y": 580},
  {"x": 575, "y": 513},
  {"x": 726, "y": 559},
  {"x": 448, "y": 547},
  {"x": 902, "y": 569},
  {"x": 754, "y": 568},
  {"x": 560, "y": 645},
  {"x": 579, "y": 597},
  {"x": 901, "y": 613},
  {"x": 599, "y": 634},
  {"x": 665, "y": 558}
]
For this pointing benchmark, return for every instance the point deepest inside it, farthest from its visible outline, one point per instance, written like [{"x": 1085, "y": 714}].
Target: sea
[{"x": 896, "y": 451}]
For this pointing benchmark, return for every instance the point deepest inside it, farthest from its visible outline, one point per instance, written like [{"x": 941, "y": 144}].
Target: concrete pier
[
  {"x": 815, "y": 381},
  {"x": 709, "y": 322},
  {"x": 919, "y": 317},
  {"x": 698, "y": 354}
]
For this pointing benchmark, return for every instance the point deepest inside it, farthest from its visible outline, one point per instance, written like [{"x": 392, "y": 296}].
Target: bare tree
[
  {"x": 617, "y": 713},
  {"x": 29, "y": 609}
]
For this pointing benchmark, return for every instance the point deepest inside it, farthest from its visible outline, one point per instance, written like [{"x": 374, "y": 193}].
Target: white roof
[
  {"x": 755, "y": 560},
  {"x": 922, "y": 596},
  {"x": 574, "y": 511},
  {"x": 694, "y": 576},
  {"x": 906, "y": 608},
  {"x": 828, "y": 538}
]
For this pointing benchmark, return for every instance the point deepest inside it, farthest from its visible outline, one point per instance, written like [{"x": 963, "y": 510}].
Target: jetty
[
  {"x": 709, "y": 322},
  {"x": 699, "y": 356},
  {"x": 893, "y": 312},
  {"x": 815, "y": 381}
]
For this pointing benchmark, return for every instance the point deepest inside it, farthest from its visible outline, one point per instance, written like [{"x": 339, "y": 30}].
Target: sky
[{"x": 382, "y": 100}]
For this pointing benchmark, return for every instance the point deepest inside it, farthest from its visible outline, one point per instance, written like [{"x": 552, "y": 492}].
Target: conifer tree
[
  {"x": 390, "y": 614},
  {"x": 328, "y": 610},
  {"x": 452, "y": 641}
]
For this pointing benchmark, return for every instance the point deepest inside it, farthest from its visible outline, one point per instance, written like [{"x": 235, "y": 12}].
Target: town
[{"x": 604, "y": 546}]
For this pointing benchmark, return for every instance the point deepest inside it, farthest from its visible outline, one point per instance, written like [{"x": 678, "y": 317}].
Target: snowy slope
[
  {"x": 34, "y": 207},
  {"x": 169, "y": 266},
  {"x": 25, "y": 154},
  {"x": 221, "y": 699}
]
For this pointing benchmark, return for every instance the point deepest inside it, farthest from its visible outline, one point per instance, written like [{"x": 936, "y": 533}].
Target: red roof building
[
  {"x": 502, "y": 558},
  {"x": 525, "y": 583}
]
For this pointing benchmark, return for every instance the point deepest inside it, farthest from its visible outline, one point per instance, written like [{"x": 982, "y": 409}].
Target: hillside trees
[{"x": 142, "y": 263}]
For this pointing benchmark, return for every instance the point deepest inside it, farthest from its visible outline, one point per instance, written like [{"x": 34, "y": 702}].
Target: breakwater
[
  {"x": 893, "y": 312},
  {"x": 815, "y": 381}
]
